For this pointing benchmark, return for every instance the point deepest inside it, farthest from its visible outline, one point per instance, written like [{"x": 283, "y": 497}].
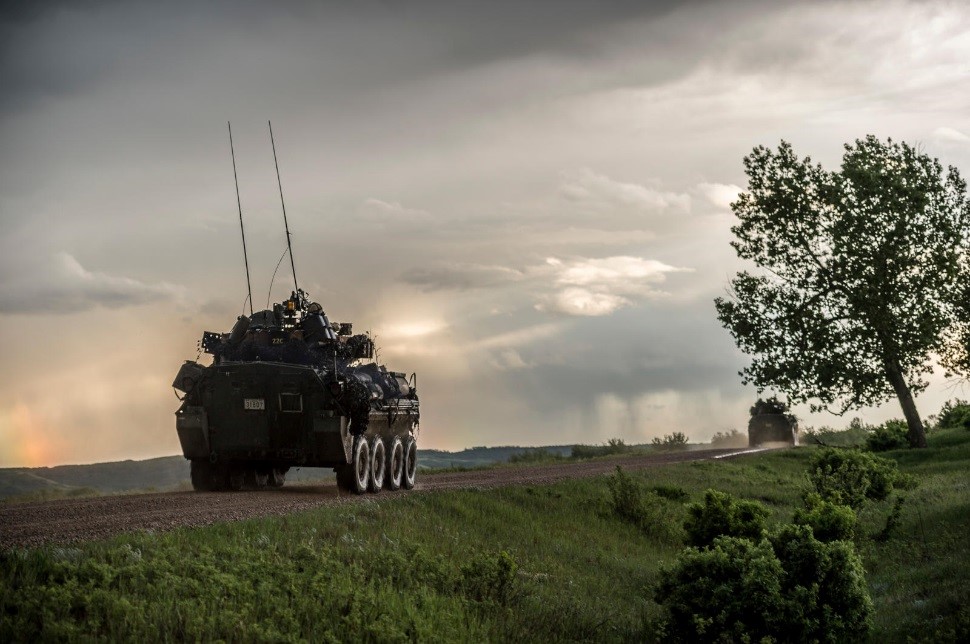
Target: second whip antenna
[
  {"x": 286, "y": 226},
  {"x": 249, "y": 285}
]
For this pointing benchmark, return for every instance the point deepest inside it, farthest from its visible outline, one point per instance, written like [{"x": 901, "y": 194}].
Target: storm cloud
[{"x": 528, "y": 203}]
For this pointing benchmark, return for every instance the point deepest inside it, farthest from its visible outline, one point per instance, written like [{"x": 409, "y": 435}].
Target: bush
[
  {"x": 613, "y": 446},
  {"x": 671, "y": 492},
  {"x": 792, "y": 587},
  {"x": 893, "y": 434},
  {"x": 732, "y": 438},
  {"x": 723, "y": 515},
  {"x": 677, "y": 440},
  {"x": 643, "y": 508},
  {"x": 828, "y": 521},
  {"x": 491, "y": 579},
  {"x": 954, "y": 413},
  {"x": 854, "y": 435},
  {"x": 850, "y": 477},
  {"x": 730, "y": 592},
  {"x": 824, "y": 586},
  {"x": 540, "y": 455}
]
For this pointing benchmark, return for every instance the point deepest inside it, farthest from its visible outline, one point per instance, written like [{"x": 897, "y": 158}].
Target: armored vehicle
[
  {"x": 286, "y": 388},
  {"x": 771, "y": 423}
]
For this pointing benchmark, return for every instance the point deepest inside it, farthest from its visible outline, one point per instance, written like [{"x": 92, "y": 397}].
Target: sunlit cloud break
[{"x": 596, "y": 287}]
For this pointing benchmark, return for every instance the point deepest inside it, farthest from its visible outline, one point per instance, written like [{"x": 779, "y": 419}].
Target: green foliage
[
  {"x": 861, "y": 276},
  {"x": 671, "y": 492},
  {"x": 731, "y": 438},
  {"x": 391, "y": 568},
  {"x": 854, "y": 435},
  {"x": 828, "y": 521},
  {"x": 675, "y": 441},
  {"x": 645, "y": 509},
  {"x": 954, "y": 413},
  {"x": 791, "y": 588},
  {"x": 723, "y": 515},
  {"x": 612, "y": 447},
  {"x": 851, "y": 477},
  {"x": 824, "y": 585},
  {"x": 535, "y": 456},
  {"x": 892, "y": 521},
  {"x": 892, "y": 434},
  {"x": 730, "y": 592},
  {"x": 491, "y": 579}
]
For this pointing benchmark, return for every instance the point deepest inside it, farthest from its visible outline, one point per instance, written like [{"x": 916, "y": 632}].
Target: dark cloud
[
  {"x": 61, "y": 285},
  {"x": 460, "y": 276},
  {"x": 55, "y": 48}
]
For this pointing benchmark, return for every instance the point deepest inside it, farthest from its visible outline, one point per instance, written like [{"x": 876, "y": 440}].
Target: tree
[{"x": 861, "y": 280}]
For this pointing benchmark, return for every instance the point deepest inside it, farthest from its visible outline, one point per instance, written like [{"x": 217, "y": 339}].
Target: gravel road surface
[{"x": 69, "y": 520}]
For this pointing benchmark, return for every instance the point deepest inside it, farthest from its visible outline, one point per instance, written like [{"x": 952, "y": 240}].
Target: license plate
[{"x": 254, "y": 403}]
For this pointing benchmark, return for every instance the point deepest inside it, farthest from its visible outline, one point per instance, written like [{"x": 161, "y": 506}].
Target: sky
[{"x": 526, "y": 202}]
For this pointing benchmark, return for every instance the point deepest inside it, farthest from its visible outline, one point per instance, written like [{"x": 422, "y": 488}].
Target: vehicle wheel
[
  {"x": 410, "y": 463},
  {"x": 202, "y": 476},
  {"x": 395, "y": 465},
  {"x": 360, "y": 466},
  {"x": 277, "y": 476},
  {"x": 377, "y": 465},
  {"x": 237, "y": 476}
]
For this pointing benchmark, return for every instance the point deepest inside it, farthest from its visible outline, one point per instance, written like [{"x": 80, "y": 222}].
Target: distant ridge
[{"x": 169, "y": 472}]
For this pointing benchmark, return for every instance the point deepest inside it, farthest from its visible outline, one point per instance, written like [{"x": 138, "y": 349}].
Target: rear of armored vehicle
[{"x": 250, "y": 422}]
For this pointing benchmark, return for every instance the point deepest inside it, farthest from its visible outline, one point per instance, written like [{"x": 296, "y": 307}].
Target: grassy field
[{"x": 521, "y": 563}]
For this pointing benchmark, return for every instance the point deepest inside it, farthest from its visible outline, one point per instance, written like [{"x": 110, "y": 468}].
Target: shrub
[
  {"x": 729, "y": 592},
  {"x": 643, "y": 508},
  {"x": 851, "y": 477},
  {"x": 677, "y": 440},
  {"x": 540, "y": 455},
  {"x": 893, "y": 434},
  {"x": 892, "y": 521},
  {"x": 854, "y": 435},
  {"x": 491, "y": 579},
  {"x": 824, "y": 584},
  {"x": 792, "y": 587},
  {"x": 828, "y": 521},
  {"x": 671, "y": 492},
  {"x": 612, "y": 446},
  {"x": 723, "y": 515},
  {"x": 954, "y": 413},
  {"x": 732, "y": 438}
]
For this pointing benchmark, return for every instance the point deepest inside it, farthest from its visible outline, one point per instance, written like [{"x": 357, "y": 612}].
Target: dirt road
[{"x": 65, "y": 521}]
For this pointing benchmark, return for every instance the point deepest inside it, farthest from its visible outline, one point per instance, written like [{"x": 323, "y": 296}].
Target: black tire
[
  {"x": 277, "y": 477},
  {"x": 410, "y": 463},
  {"x": 375, "y": 481},
  {"x": 260, "y": 477},
  {"x": 355, "y": 475},
  {"x": 202, "y": 476},
  {"x": 395, "y": 465}
]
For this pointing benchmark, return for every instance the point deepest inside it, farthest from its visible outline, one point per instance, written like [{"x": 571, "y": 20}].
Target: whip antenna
[
  {"x": 286, "y": 226},
  {"x": 241, "y": 229}
]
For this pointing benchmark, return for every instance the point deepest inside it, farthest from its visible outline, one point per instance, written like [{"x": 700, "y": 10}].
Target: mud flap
[
  {"x": 333, "y": 442},
  {"x": 192, "y": 425}
]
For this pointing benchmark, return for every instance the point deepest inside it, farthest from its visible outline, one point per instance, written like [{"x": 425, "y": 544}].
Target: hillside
[
  {"x": 169, "y": 472},
  {"x": 519, "y": 563}
]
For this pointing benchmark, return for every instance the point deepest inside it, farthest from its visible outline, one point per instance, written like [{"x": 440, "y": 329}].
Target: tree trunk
[{"x": 917, "y": 435}]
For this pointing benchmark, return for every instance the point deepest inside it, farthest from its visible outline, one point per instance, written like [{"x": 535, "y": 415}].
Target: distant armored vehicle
[
  {"x": 289, "y": 388},
  {"x": 771, "y": 423}
]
